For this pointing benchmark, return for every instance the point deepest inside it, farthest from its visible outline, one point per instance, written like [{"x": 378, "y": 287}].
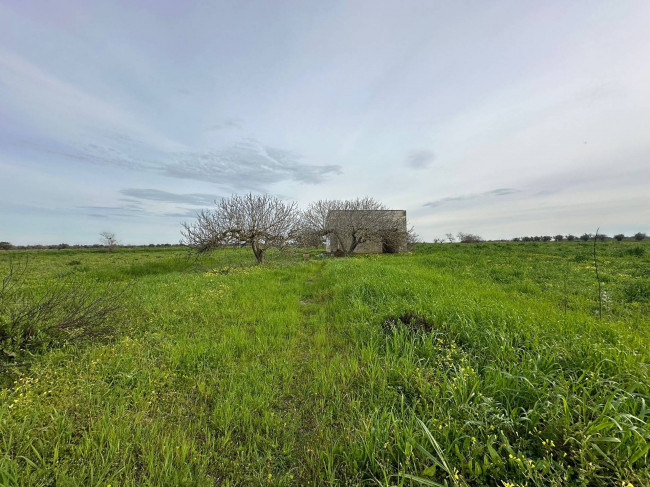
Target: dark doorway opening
[{"x": 388, "y": 247}]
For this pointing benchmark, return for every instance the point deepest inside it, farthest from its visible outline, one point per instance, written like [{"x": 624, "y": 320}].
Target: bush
[
  {"x": 66, "y": 311},
  {"x": 619, "y": 236},
  {"x": 637, "y": 291},
  {"x": 635, "y": 251},
  {"x": 468, "y": 238}
]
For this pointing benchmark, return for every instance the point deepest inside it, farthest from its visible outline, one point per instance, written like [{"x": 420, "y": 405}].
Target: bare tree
[
  {"x": 468, "y": 238},
  {"x": 108, "y": 240},
  {"x": 350, "y": 223},
  {"x": 313, "y": 223},
  {"x": 450, "y": 237},
  {"x": 261, "y": 221},
  {"x": 412, "y": 237}
]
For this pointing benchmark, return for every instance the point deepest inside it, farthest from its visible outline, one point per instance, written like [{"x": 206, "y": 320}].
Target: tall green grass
[{"x": 301, "y": 372}]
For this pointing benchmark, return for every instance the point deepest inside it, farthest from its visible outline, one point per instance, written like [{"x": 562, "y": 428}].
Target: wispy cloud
[
  {"x": 472, "y": 196},
  {"x": 420, "y": 159},
  {"x": 197, "y": 199},
  {"x": 228, "y": 123},
  {"x": 247, "y": 164}
]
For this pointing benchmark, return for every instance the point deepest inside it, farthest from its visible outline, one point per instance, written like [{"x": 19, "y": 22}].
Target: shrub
[
  {"x": 66, "y": 311},
  {"x": 637, "y": 291},
  {"x": 619, "y": 236},
  {"x": 468, "y": 238},
  {"x": 635, "y": 251}
]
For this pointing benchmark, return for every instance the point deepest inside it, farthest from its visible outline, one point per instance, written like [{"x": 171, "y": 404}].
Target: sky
[{"x": 503, "y": 119}]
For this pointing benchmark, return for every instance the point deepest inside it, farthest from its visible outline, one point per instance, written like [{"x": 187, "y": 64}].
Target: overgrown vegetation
[
  {"x": 319, "y": 371},
  {"x": 66, "y": 310}
]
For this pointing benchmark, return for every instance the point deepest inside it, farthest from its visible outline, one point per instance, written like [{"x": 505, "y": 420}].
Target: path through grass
[{"x": 301, "y": 372}]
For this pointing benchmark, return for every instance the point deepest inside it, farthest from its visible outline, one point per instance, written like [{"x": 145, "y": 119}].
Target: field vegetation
[{"x": 456, "y": 364}]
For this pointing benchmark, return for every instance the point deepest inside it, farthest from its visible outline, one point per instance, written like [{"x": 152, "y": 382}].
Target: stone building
[{"x": 367, "y": 231}]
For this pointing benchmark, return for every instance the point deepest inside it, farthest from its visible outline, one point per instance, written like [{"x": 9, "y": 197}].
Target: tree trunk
[{"x": 259, "y": 253}]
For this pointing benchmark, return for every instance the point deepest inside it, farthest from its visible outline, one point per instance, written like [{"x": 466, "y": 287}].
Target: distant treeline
[
  {"x": 463, "y": 237},
  {"x": 62, "y": 246},
  {"x": 584, "y": 237}
]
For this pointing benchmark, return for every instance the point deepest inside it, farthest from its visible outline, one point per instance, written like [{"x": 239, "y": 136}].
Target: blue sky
[{"x": 497, "y": 118}]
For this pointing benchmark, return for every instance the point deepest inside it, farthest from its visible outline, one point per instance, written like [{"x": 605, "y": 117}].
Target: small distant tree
[
  {"x": 558, "y": 238},
  {"x": 450, "y": 238},
  {"x": 516, "y": 239},
  {"x": 108, "y": 240},
  {"x": 468, "y": 237},
  {"x": 601, "y": 237},
  {"x": 585, "y": 237},
  {"x": 6, "y": 246},
  {"x": 261, "y": 221},
  {"x": 619, "y": 237},
  {"x": 546, "y": 238},
  {"x": 639, "y": 236},
  {"x": 570, "y": 237}
]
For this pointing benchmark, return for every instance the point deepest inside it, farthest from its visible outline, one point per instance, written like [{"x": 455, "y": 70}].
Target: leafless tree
[
  {"x": 412, "y": 237},
  {"x": 108, "y": 240},
  {"x": 468, "y": 238},
  {"x": 450, "y": 237},
  {"x": 349, "y": 223},
  {"x": 313, "y": 223},
  {"x": 261, "y": 221}
]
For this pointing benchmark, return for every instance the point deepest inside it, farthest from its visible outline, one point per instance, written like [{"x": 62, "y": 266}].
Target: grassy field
[{"x": 317, "y": 372}]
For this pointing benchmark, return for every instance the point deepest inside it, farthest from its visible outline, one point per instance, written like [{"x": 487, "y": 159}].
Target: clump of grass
[
  {"x": 64, "y": 311},
  {"x": 411, "y": 320}
]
